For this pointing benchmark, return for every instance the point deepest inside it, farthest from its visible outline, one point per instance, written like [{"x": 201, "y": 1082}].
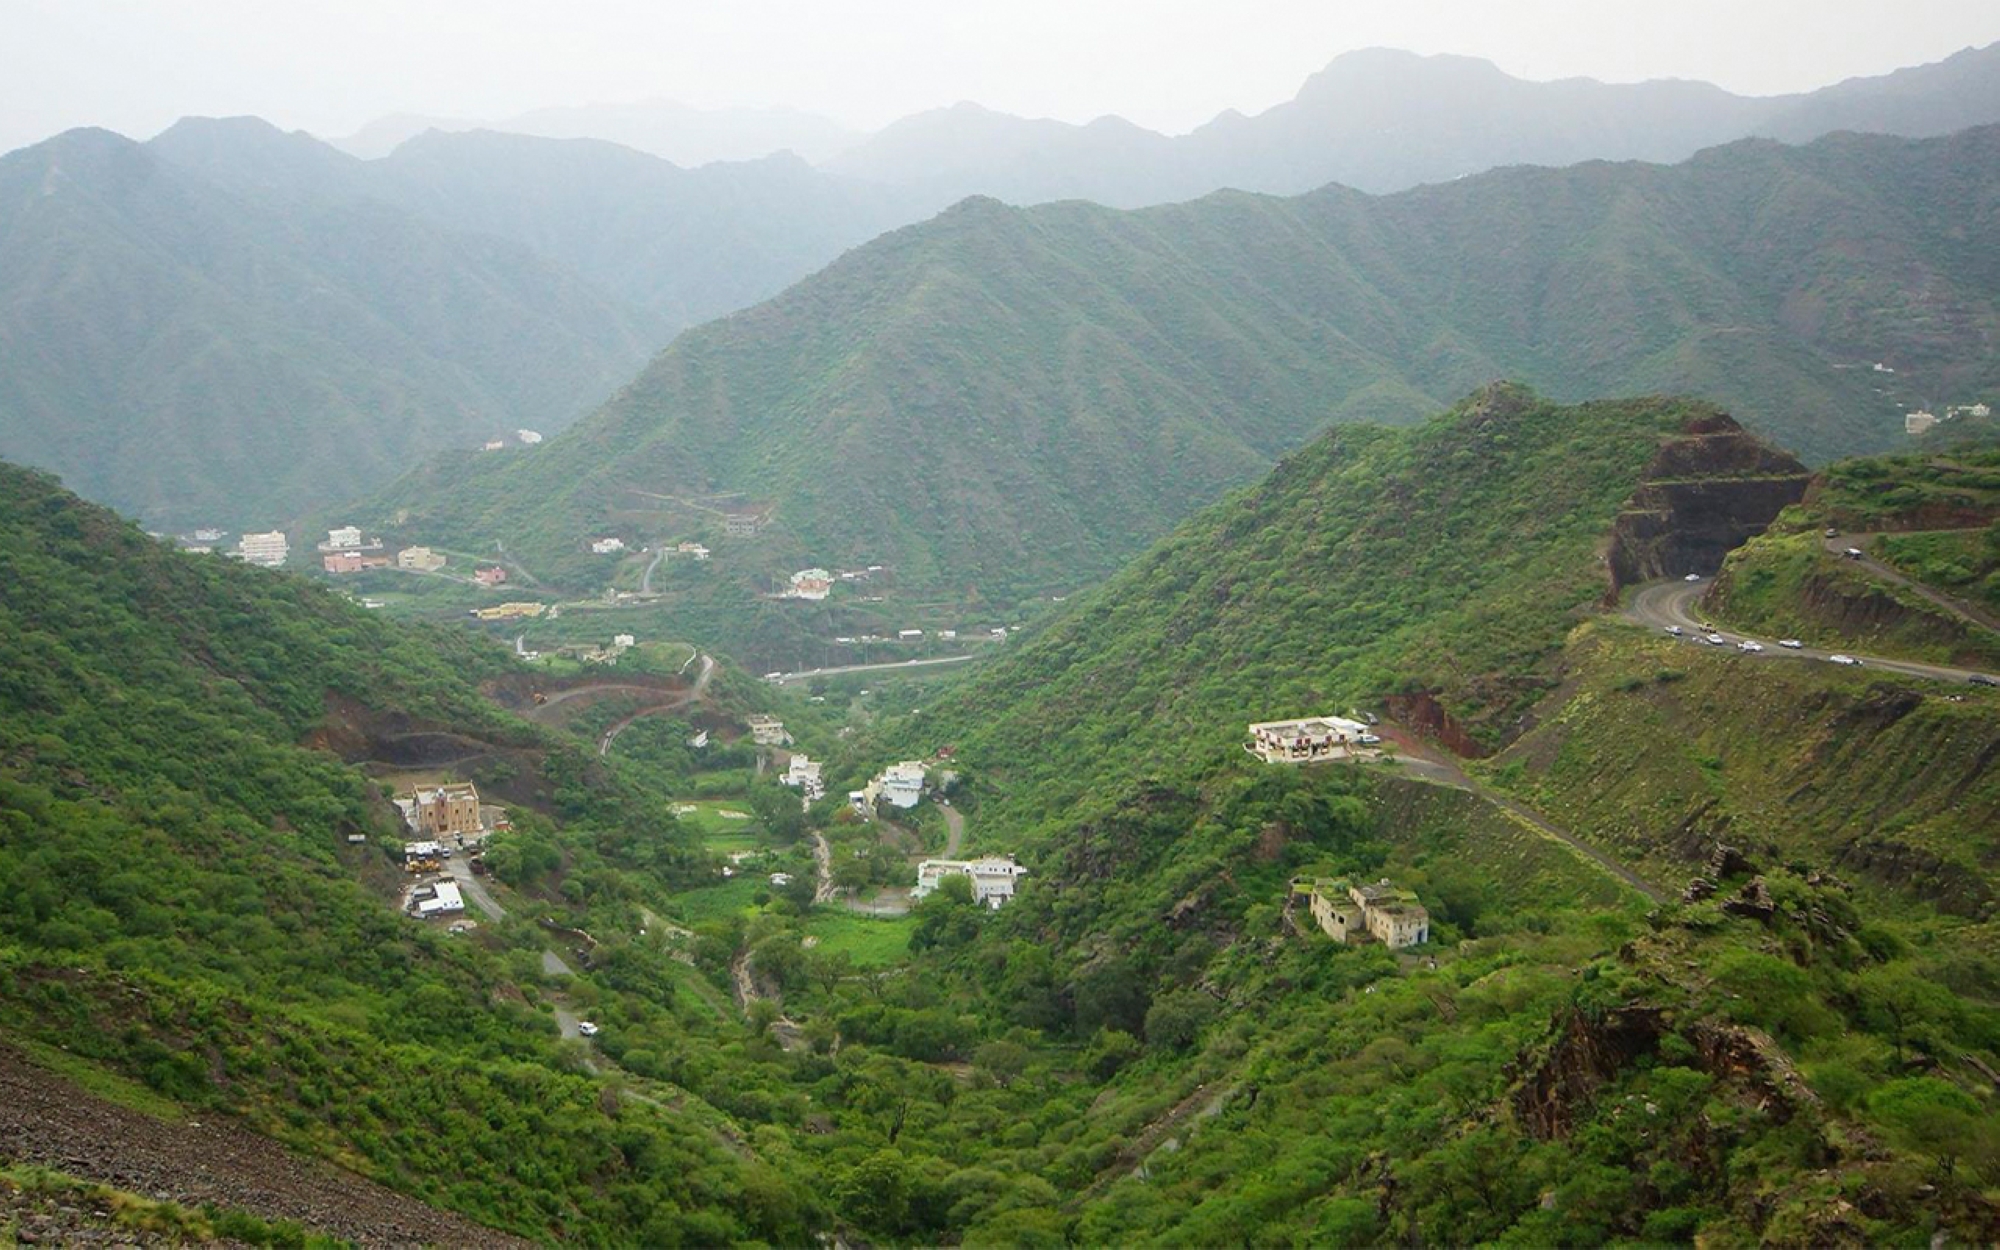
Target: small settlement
[
  {"x": 1356, "y": 913},
  {"x": 803, "y": 775},
  {"x": 899, "y": 785}
]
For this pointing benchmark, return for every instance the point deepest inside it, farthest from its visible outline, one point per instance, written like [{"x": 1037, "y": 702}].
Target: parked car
[
  {"x": 1748, "y": 645},
  {"x": 1846, "y": 660},
  {"x": 1675, "y": 630},
  {"x": 1832, "y": 531},
  {"x": 1714, "y": 640},
  {"x": 586, "y": 1028},
  {"x": 1692, "y": 577},
  {"x": 1790, "y": 643},
  {"x": 1371, "y": 740},
  {"x": 1852, "y": 553},
  {"x": 1981, "y": 679}
]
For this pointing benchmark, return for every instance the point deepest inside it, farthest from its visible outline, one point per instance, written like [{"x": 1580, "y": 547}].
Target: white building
[
  {"x": 949, "y": 635},
  {"x": 440, "y": 898},
  {"x": 909, "y": 635},
  {"x": 696, "y": 550},
  {"x": 812, "y": 584},
  {"x": 803, "y": 775},
  {"x": 1306, "y": 738},
  {"x": 528, "y": 437},
  {"x": 266, "y": 550},
  {"x": 1918, "y": 422},
  {"x": 624, "y": 641},
  {"x": 607, "y": 546},
  {"x": 208, "y": 534},
  {"x": 993, "y": 878},
  {"x": 341, "y": 539}
]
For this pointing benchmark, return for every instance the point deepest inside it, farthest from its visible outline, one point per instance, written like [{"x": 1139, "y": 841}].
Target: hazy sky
[{"x": 136, "y": 65}]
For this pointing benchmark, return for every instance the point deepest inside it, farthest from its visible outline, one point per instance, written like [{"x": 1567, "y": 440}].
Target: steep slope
[
  {"x": 1438, "y": 566},
  {"x": 683, "y": 245},
  {"x": 197, "y": 356},
  {"x": 1383, "y": 120},
  {"x": 1799, "y": 1046},
  {"x": 1010, "y": 400},
  {"x": 182, "y": 899}
]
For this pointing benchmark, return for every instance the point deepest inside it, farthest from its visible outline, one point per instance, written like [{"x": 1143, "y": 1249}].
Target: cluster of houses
[
  {"x": 1310, "y": 738},
  {"x": 1922, "y": 421},
  {"x": 992, "y": 878},
  {"x": 1352, "y": 913}
]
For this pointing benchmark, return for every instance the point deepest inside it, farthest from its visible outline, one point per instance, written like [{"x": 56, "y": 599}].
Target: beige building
[
  {"x": 1347, "y": 912},
  {"x": 443, "y": 811},
  {"x": 1307, "y": 738},
  {"x": 265, "y": 550},
  {"x": 422, "y": 559}
]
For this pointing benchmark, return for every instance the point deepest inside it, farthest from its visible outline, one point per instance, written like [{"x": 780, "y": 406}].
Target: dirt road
[
  {"x": 1664, "y": 604},
  {"x": 954, "y": 831},
  {"x": 675, "y": 704},
  {"x": 474, "y": 888}
]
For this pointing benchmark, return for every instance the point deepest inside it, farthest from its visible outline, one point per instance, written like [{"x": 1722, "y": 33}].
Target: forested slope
[{"x": 1014, "y": 399}]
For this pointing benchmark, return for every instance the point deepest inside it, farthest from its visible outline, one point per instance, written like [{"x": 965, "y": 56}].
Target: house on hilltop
[
  {"x": 1352, "y": 913},
  {"x": 1306, "y": 738}
]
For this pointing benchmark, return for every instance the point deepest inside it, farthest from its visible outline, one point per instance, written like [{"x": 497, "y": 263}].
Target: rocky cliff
[{"x": 1705, "y": 493}]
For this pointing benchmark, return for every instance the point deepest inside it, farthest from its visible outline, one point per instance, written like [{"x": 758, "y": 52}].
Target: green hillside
[
  {"x": 197, "y": 356},
  {"x": 180, "y": 901},
  {"x": 1003, "y": 401},
  {"x": 1801, "y": 1050}
]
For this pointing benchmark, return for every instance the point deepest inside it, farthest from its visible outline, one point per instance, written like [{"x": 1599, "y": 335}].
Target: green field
[{"x": 871, "y": 941}]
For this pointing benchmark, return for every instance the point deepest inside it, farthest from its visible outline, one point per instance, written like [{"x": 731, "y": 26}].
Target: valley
[{"x": 1417, "y": 668}]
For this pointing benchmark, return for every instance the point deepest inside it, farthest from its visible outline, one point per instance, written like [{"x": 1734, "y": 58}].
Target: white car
[
  {"x": 1846, "y": 660},
  {"x": 1692, "y": 577},
  {"x": 1747, "y": 645},
  {"x": 586, "y": 1028},
  {"x": 1714, "y": 640},
  {"x": 1675, "y": 630},
  {"x": 1370, "y": 740},
  {"x": 1790, "y": 644}
]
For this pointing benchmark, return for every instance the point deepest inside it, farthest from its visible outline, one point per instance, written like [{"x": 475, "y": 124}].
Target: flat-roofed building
[{"x": 993, "y": 878}]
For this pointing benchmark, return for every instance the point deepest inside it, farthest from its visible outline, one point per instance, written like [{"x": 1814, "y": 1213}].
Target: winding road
[
  {"x": 1971, "y": 614},
  {"x": 1663, "y": 605}
]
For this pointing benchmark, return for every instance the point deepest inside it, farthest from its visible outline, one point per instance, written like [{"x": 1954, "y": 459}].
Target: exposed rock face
[
  {"x": 1705, "y": 493},
  {"x": 1423, "y": 713}
]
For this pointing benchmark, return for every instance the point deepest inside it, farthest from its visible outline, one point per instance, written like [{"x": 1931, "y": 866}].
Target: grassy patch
[
  {"x": 871, "y": 941},
  {"x": 106, "y": 1085}
]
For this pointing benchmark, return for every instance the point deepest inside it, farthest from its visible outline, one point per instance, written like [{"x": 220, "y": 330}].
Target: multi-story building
[
  {"x": 341, "y": 539},
  {"x": 267, "y": 550},
  {"x": 803, "y": 775},
  {"x": 810, "y": 584},
  {"x": 353, "y": 561},
  {"x": 768, "y": 731},
  {"x": 422, "y": 559},
  {"x": 742, "y": 524},
  {"x": 443, "y": 811}
]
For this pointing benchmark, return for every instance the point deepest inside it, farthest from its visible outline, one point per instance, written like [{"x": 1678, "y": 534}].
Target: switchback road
[
  {"x": 1971, "y": 614},
  {"x": 1663, "y": 605}
]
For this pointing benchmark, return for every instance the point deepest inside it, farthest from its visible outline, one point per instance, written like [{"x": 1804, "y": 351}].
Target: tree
[{"x": 1176, "y": 1018}]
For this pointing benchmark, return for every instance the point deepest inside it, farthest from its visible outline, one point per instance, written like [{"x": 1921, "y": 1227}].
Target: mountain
[
  {"x": 203, "y": 903},
  {"x": 202, "y": 356},
  {"x": 1011, "y": 400},
  {"x": 681, "y": 245},
  {"x": 1459, "y": 578},
  {"x": 1381, "y": 120},
  {"x": 672, "y": 131}
]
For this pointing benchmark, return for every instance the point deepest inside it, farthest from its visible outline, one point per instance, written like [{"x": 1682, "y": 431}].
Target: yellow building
[{"x": 444, "y": 811}]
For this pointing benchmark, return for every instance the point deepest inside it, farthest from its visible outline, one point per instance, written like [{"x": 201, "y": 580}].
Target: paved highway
[
  {"x": 1664, "y": 604},
  {"x": 786, "y": 679}
]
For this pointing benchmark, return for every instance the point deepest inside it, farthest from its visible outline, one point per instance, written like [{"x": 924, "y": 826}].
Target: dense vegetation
[
  {"x": 1151, "y": 1043},
  {"x": 1932, "y": 517}
]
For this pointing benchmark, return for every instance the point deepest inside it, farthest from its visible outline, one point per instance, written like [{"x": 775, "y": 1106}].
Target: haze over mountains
[
  {"x": 234, "y": 324},
  {"x": 1015, "y": 399}
]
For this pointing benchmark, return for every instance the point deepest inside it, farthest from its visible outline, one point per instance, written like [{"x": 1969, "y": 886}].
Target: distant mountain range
[
  {"x": 1377, "y": 120},
  {"x": 1015, "y": 399},
  {"x": 231, "y": 324},
  {"x": 675, "y": 132}
]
